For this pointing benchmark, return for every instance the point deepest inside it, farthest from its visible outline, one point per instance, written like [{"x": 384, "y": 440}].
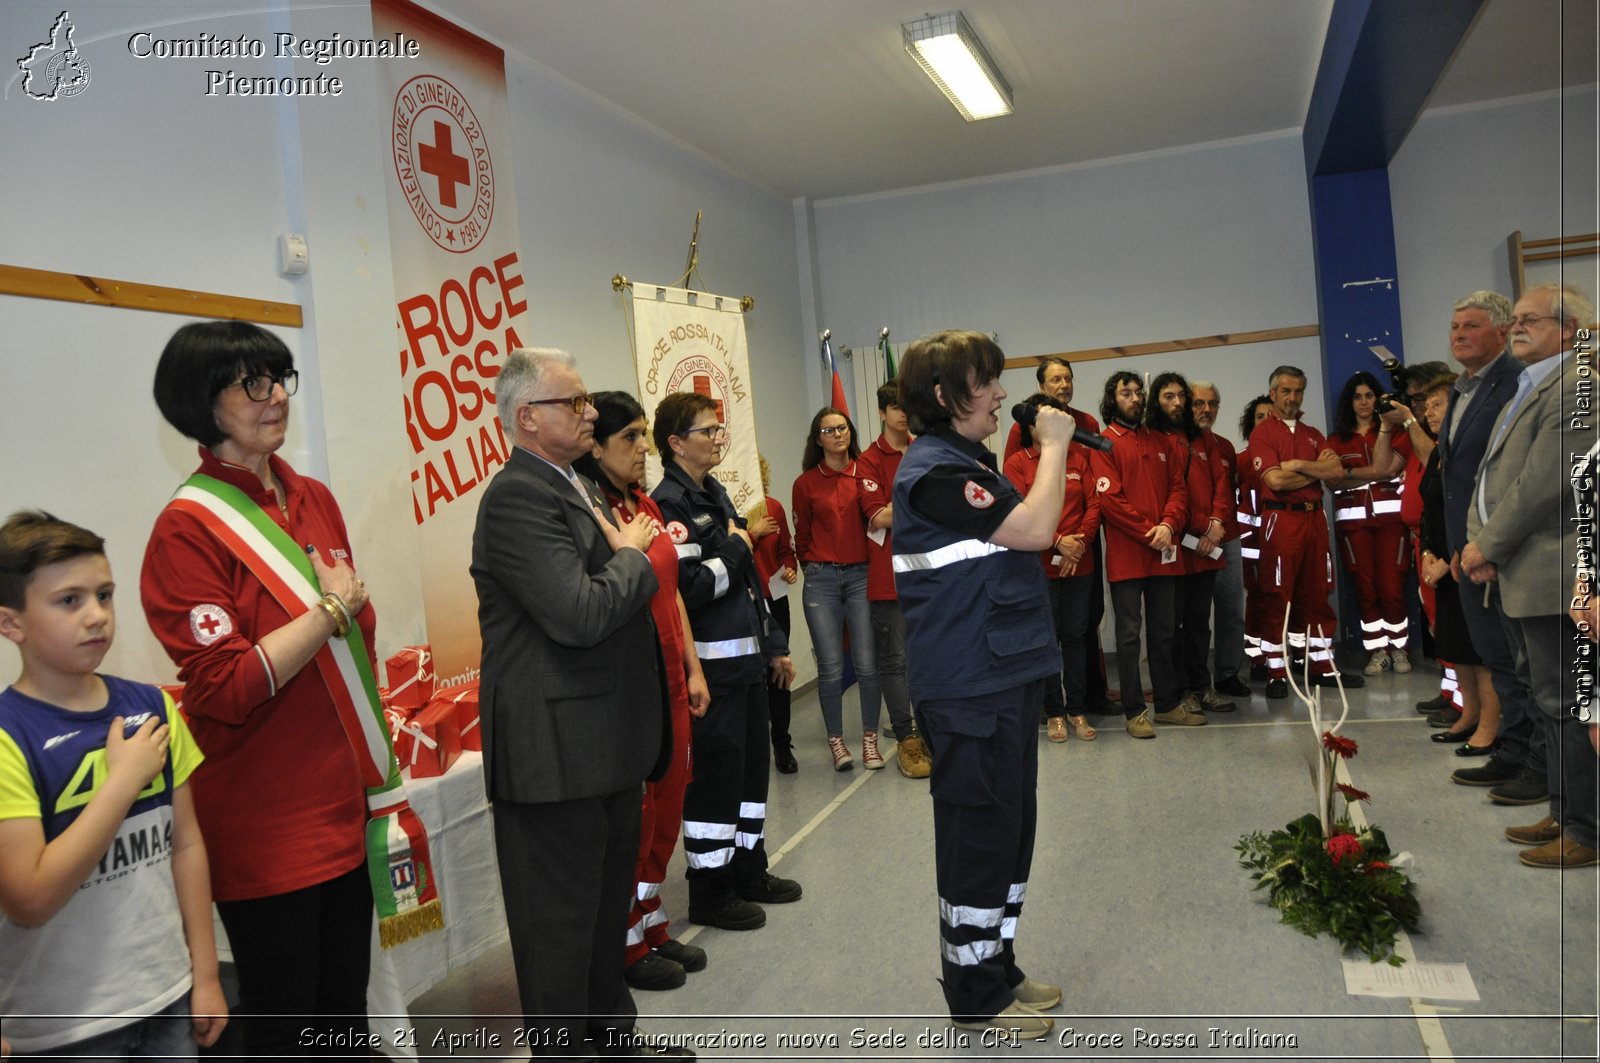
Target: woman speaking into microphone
[{"x": 979, "y": 649}]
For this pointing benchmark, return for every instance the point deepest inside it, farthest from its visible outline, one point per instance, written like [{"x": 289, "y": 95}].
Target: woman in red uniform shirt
[
  {"x": 1069, "y": 568},
  {"x": 616, "y": 465},
  {"x": 1368, "y": 525},
  {"x": 830, "y": 539},
  {"x": 281, "y": 798}
]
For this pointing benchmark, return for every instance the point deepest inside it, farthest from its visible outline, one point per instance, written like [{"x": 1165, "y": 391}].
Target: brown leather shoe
[
  {"x": 1546, "y": 830},
  {"x": 1561, "y": 854}
]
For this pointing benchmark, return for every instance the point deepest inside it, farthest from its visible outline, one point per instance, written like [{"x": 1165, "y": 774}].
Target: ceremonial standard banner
[
  {"x": 461, "y": 305},
  {"x": 694, "y": 341}
]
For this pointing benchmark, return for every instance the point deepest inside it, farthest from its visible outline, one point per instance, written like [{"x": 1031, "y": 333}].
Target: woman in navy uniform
[{"x": 979, "y": 649}]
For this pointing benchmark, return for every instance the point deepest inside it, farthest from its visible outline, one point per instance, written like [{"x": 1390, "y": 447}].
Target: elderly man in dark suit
[
  {"x": 573, "y": 713},
  {"x": 1478, "y": 330},
  {"x": 1522, "y": 537}
]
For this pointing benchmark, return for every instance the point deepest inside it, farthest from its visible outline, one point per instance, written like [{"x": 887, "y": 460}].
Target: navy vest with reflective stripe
[{"x": 977, "y": 616}]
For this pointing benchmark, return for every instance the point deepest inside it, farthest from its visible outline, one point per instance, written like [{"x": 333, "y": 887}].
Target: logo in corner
[
  {"x": 977, "y": 497},
  {"x": 55, "y": 69}
]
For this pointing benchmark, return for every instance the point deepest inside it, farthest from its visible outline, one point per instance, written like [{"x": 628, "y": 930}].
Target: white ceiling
[{"x": 818, "y": 99}]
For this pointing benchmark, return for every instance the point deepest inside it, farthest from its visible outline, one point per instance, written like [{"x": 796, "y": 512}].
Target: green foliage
[{"x": 1364, "y": 902}]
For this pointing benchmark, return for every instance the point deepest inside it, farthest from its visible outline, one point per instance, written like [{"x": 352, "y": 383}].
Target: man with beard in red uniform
[
  {"x": 1143, "y": 502},
  {"x": 1209, "y": 484},
  {"x": 1294, "y": 461}
]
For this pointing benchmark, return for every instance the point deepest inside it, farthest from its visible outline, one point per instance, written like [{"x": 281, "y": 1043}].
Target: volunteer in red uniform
[
  {"x": 616, "y": 465},
  {"x": 777, "y": 570},
  {"x": 1227, "y": 596},
  {"x": 1294, "y": 461},
  {"x": 1209, "y": 489},
  {"x": 876, "y": 469},
  {"x": 1070, "y": 570},
  {"x": 1248, "y": 516},
  {"x": 1143, "y": 503},
  {"x": 1368, "y": 525},
  {"x": 830, "y": 539},
  {"x": 280, "y": 796},
  {"x": 1055, "y": 377}
]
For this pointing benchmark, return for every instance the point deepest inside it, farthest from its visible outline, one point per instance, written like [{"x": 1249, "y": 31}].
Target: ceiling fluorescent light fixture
[{"x": 951, "y": 54}]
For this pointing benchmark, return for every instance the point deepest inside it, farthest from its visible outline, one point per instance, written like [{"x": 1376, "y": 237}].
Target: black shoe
[
  {"x": 1528, "y": 788},
  {"x": 1349, "y": 680},
  {"x": 1277, "y": 689},
  {"x": 1445, "y": 717},
  {"x": 1451, "y": 736},
  {"x": 770, "y": 889},
  {"x": 735, "y": 913},
  {"x": 691, "y": 958},
  {"x": 783, "y": 760},
  {"x": 654, "y": 971},
  {"x": 1431, "y": 705},
  {"x": 1260, "y": 671},
  {"x": 1233, "y": 686},
  {"x": 1495, "y": 771},
  {"x": 1467, "y": 750}
]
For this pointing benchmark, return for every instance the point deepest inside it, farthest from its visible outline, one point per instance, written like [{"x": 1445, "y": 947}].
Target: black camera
[{"x": 1397, "y": 380}]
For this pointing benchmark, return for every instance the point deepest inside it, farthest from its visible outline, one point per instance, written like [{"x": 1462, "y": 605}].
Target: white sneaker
[
  {"x": 1399, "y": 661},
  {"x": 1377, "y": 663}
]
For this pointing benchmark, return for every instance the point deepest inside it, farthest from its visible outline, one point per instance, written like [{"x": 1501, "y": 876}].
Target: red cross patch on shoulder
[
  {"x": 677, "y": 532},
  {"x": 870, "y": 485},
  {"x": 1257, "y": 463},
  {"x": 1103, "y": 484},
  {"x": 208, "y": 623},
  {"x": 977, "y": 497}
]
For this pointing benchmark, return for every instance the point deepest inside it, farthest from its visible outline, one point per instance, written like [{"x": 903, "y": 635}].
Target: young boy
[{"x": 103, "y": 874}]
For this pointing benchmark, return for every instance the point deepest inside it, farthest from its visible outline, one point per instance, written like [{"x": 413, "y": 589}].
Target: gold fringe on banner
[{"x": 398, "y": 929}]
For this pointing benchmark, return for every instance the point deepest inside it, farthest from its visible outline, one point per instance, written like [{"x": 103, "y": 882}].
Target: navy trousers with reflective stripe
[
  {"x": 985, "y": 772},
  {"x": 724, "y": 807}
]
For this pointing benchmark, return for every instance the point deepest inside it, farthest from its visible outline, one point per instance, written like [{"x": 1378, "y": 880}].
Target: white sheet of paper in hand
[
  {"x": 878, "y": 535},
  {"x": 776, "y": 587},
  {"x": 1191, "y": 542}
]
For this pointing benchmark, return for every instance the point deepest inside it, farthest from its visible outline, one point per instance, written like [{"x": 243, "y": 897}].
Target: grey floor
[{"x": 1136, "y": 905}]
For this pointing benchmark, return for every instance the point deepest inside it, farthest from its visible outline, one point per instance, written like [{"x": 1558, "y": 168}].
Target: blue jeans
[
  {"x": 836, "y": 595},
  {"x": 164, "y": 1035}
]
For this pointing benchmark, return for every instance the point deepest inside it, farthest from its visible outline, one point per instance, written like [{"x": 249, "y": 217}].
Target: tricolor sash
[{"x": 404, "y": 889}]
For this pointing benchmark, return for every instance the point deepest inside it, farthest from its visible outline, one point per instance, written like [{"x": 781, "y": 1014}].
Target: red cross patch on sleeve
[
  {"x": 977, "y": 497},
  {"x": 677, "y": 532},
  {"x": 870, "y": 485},
  {"x": 208, "y": 623}
]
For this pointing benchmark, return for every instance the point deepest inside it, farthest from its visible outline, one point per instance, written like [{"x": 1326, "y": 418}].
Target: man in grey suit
[
  {"x": 1478, "y": 331},
  {"x": 1522, "y": 538},
  {"x": 572, "y": 710}
]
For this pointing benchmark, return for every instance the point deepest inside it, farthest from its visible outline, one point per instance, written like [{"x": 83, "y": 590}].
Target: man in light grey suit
[
  {"x": 1521, "y": 537},
  {"x": 572, "y": 709}
]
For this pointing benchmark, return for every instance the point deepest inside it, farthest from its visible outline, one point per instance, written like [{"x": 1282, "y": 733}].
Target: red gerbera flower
[
  {"x": 1344, "y": 848},
  {"x": 1377, "y": 865},
  {"x": 1344, "y": 747},
  {"x": 1351, "y": 793}
]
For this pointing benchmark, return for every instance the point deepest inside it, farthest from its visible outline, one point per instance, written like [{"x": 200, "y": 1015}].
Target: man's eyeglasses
[
  {"x": 259, "y": 386},
  {"x": 835, "y": 430},
  {"x": 1530, "y": 320},
  {"x": 575, "y": 403},
  {"x": 712, "y": 431}
]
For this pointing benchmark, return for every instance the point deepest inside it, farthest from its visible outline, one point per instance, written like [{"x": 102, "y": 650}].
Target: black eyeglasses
[
  {"x": 712, "y": 431},
  {"x": 575, "y": 403},
  {"x": 835, "y": 430},
  {"x": 259, "y": 387}
]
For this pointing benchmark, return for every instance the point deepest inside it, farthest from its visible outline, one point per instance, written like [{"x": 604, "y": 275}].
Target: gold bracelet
[{"x": 334, "y": 607}]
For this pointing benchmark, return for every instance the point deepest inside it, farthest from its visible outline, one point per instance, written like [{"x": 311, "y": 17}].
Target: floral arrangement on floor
[{"x": 1330, "y": 874}]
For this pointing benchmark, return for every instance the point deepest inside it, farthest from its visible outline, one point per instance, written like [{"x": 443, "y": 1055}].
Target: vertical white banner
[
  {"x": 460, "y": 300},
  {"x": 694, "y": 341}
]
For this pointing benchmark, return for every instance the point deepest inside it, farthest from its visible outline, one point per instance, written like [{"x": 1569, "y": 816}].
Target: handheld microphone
[{"x": 1024, "y": 414}]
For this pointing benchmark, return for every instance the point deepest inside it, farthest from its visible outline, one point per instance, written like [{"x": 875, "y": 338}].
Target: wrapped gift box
[
  {"x": 464, "y": 697},
  {"x": 410, "y": 678},
  {"x": 432, "y": 740}
]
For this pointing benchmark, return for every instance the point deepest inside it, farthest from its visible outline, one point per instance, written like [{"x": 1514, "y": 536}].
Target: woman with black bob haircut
[
  {"x": 652, "y": 958},
  {"x": 249, "y": 583},
  {"x": 979, "y": 650}
]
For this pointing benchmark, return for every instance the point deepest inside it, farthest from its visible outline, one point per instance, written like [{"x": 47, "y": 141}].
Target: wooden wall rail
[
  {"x": 130, "y": 295},
  {"x": 1194, "y": 343}
]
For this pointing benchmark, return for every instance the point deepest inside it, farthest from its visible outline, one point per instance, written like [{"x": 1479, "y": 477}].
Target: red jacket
[
  {"x": 1272, "y": 444},
  {"x": 1080, "y": 508},
  {"x": 1085, "y": 421},
  {"x": 1248, "y": 515},
  {"x": 827, "y": 516},
  {"x": 775, "y": 551},
  {"x": 1140, "y": 484},
  {"x": 1209, "y": 483},
  {"x": 875, "y": 471},
  {"x": 1375, "y": 504},
  {"x": 280, "y": 799}
]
